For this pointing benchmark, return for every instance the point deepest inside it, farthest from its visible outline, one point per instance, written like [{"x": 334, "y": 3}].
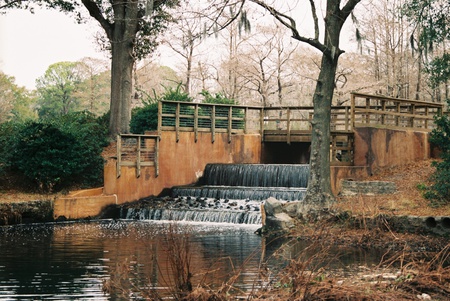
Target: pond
[{"x": 72, "y": 261}]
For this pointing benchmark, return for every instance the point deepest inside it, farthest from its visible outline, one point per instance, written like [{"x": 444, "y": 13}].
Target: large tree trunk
[
  {"x": 319, "y": 184},
  {"x": 121, "y": 89},
  {"x": 122, "y": 62}
]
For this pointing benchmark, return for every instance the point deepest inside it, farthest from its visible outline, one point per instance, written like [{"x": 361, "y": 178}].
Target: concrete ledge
[
  {"x": 77, "y": 207},
  {"x": 86, "y": 192}
]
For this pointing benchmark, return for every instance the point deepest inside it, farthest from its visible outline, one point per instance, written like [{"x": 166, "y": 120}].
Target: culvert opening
[
  {"x": 446, "y": 222},
  {"x": 431, "y": 222}
]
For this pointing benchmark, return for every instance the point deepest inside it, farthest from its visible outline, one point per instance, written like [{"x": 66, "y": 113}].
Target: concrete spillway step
[{"x": 240, "y": 192}]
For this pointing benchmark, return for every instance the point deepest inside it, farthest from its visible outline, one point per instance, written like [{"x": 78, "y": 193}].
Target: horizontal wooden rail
[
  {"x": 394, "y": 113},
  {"x": 213, "y": 118},
  {"x": 137, "y": 151}
]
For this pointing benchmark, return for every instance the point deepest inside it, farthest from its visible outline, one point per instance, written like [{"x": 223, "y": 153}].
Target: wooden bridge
[{"x": 278, "y": 124}]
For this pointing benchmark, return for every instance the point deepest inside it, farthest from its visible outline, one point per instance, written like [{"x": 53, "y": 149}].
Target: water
[
  {"x": 285, "y": 182},
  {"x": 71, "y": 261}
]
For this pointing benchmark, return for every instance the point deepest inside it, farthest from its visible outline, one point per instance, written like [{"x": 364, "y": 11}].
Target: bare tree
[{"x": 336, "y": 13}]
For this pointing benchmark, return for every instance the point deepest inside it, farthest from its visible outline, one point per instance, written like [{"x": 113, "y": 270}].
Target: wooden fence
[
  {"x": 214, "y": 118},
  {"x": 137, "y": 151},
  {"x": 393, "y": 113},
  {"x": 277, "y": 124}
]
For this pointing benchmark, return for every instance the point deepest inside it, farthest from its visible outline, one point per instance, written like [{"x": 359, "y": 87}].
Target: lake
[{"x": 73, "y": 260}]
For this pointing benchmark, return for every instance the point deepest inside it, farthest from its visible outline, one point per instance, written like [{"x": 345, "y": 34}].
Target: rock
[
  {"x": 280, "y": 222},
  {"x": 272, "y": 206}
]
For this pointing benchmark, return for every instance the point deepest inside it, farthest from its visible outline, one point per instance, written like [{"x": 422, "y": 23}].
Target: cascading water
[
  {"x": 258, "y": 182},
  {"x": 229, "y": 193}
]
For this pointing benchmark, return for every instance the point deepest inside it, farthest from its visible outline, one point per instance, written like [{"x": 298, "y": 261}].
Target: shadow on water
[{"x": 72, "y": 261}]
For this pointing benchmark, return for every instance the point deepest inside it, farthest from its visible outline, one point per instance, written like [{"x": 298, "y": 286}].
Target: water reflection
[{"x": 70, "y": 261}]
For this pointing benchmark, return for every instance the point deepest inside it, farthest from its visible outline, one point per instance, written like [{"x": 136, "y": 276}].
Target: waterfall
[
  {"x": 285, "y": 182},
  {"x": 196, "y": 215},
  {"x": 229, "y": 193}
]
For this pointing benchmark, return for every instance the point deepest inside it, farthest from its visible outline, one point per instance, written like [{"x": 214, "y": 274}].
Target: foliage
[
  {"x": 219, "y": 98},
  {"x": 146, "y": 118},
  {"x": 431, "y": 17},
  {"x": 439, "y": 70},
  {"x": 439, "y": 191},
  {"x": 15, "y": 101},
  {"x": 57, "y": 153},
  {"x": 56, "y": 90}
]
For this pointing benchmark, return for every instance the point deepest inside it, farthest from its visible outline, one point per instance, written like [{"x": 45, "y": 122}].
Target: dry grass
[{"x": 407, "y": 201}]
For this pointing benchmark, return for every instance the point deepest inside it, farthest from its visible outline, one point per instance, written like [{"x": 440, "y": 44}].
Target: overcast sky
[{"x": 30, "y": 43}]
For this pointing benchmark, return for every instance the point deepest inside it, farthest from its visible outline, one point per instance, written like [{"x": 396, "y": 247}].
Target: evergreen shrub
[
  {"x": 61, "y": 153},
  {"x": 439, "y": 191}
]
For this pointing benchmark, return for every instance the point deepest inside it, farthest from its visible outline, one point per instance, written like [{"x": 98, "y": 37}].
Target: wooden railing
[
  {"x": 214, "y": 118},
  {"x": 278, "y": 124},
  {"x": 394, "y": 113},
  {"x": 137, "y": 151}
]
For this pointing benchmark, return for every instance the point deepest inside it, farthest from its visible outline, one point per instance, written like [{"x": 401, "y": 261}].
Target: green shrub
[
  {"x": 219, "y": 98},
  {"x": 146, "y": 118},
  {"x": 61, "y": 153},
  {"x": 8, "y": 136},
  {"x": 439, "y": 191}
]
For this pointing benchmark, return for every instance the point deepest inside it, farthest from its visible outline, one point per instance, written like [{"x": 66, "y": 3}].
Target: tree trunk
[
  {"x": 319, "y": 183},
  {"x": 122, "y": 61},
  {"x": 121, "y": 89}
]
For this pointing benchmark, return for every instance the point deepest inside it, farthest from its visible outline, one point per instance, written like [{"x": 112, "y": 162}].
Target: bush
[
  {"x": 146, "y": 118},
  {"x": 439, "y": 191},
  {"x": 61, "y": 153}
]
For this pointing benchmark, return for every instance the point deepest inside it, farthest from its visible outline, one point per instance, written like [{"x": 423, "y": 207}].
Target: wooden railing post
[
  {"x": 383, "y": 111},
  {"x": 156, "y": 157},
  {"x": 246, "y": 120},
  {"x": 119, "y": 155},
  {"x": 213, "y": 124},
  {"x": 230, "y": 123},
  {"x": 138, "y": 157},
  {"x": 177, "y": 122},
  {"x": 367, "y": 108},
  {"x": 288, "y": 125},
  {"x": 196, "y": 123},
  {"x": 352, "y": 112},
  {"x": 261, "y": 123},
  {"x": 160, "y": 112}
]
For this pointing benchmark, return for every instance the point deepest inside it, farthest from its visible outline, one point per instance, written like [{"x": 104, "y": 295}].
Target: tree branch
[
  {"x": 316, "y": 20},
  {"x": 289, "y": 22},
  {"x": 11, "y": 4},
  {"x": 348, "y": 8},
  {"x": 96, "y": 13}
]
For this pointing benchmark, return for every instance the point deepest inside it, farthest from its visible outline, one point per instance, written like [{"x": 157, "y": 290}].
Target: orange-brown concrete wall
[
  {"x": 180, "y": 163},
  {"x": 377, "y": 148},
  {"x": 76, "y": 207}
]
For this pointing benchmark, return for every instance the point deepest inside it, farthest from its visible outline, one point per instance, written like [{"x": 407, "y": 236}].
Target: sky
[{"x": 30, "y": 43}]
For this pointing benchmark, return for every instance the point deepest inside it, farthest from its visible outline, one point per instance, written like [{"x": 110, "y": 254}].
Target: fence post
[
  {"x": 160, "y": 112},
  {"x": 177, "y": 122},
  {"x": 156, "y": 157},
  {"x": 245, "y": 120},
  {"x": 288, "y": 125},
  {"x": 119, "y": 155},
  {"x": 213, "y": 124},
  {"x": 138, "y": 156},
  {"x": 230, "y": 122},
  {"x": 196, "y": 123},
  {"x": 352, "y": 112}
]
